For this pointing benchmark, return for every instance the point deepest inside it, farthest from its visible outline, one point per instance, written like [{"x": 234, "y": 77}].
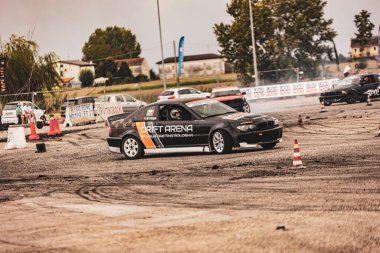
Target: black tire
[
  {"x": 351, "y": 98},
  {"x": 221, "y": 142},
  {"x": 268, "y": 145},
  {"x": 132, "y": 148},
  {"x": 327, "y": 103},
  {"x": 43, "y": 119},
  {"x": 246, "y": 107}
]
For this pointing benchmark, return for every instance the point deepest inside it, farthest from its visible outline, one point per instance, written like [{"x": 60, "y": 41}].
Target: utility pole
[
  {"x": 256, "y": 74},
  {"x": 162, "y": 48}
]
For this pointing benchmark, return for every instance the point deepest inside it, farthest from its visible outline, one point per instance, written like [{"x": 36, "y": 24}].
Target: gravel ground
[{"x": 79, "y": 197}]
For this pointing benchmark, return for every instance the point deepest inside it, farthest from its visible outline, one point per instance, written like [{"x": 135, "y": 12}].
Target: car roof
[
  {"x": 181, "y": 88},
  {"x": 17, "y": 102},
  {"x": 225, "y": 88},
  {"x": 179, "y": 101}
]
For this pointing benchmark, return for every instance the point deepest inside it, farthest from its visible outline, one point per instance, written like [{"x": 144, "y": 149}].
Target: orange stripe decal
[{"x": 144, "y": 135}]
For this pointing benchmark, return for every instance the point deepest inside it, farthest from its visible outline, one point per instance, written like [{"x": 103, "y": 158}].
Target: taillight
[
  {"x": 171, "y": 97},
  {"x": 110, "y": 131}
]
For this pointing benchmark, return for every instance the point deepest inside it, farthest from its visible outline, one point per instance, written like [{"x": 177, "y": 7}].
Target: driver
[{"x": 176, "y": 114}]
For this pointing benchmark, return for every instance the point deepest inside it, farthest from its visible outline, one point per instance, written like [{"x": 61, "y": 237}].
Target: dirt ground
[{"x": 79, "y": 197}]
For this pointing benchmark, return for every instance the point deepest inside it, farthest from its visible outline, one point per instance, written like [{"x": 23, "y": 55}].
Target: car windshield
[
  {"x": 10, "y": 107},
  {"x": 103, "y": 99},
  {"x": 222, "y": 93},
  {"x": 350, "y": 80},
  {"x": 208, "y": 108},
  {"x": 167, "y": 93}
]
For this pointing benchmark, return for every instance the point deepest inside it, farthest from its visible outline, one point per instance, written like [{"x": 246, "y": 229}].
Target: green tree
[
  {"x": 125, "y": 73},
  {"x": 288, "y": 33},
  {"x": 115, "y": 42},
  {"x": 27, "y": 70},
  {"x": 86, "y": 76},
  {"x": 365, "y": 27},
  {"x": 152, "y": 75},
  {"x": 106, "y": 68}
]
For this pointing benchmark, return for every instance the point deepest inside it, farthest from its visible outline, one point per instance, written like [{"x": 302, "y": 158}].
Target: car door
[
  {"x": 131, "y": 103},
  {"x": 367, "y": 83},
  {"x": 176, "y": 132},
  {"x": 184, "y": 93},
  {"x": 37, "y": 111}
]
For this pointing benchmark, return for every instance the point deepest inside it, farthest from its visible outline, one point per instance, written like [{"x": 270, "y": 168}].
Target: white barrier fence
[{"x": 290, "y": 89}]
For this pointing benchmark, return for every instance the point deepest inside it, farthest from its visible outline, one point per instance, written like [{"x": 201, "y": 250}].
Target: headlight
[
  {"x": 245, "y": 128},
  {"x": 276, "y": 122}
]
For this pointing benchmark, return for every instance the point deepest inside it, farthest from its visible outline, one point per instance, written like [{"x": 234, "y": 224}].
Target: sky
[{"x": 63, "y": 27}]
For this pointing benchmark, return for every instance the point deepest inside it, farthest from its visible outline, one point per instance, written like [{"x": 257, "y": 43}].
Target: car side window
[
  {"x": 146, "y": 114},
  {"x": 183, "y": 92},
  {"x": 129, "y": 98},
  {"x": 119, "y": 99},
  {"x": 193, "y": 91},
  {"x": 173, "y": 112}
]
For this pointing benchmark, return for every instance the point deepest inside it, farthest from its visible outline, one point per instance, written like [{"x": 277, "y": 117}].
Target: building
[
  {"x": 71, "y": 69},
  {"x": 138, "y": 66},
  {"x": 369, "y": 50},
  {"x": 194, "y": 65}
]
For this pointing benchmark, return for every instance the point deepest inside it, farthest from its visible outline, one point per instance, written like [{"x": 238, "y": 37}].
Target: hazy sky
[{"x": 64, "y": 26}]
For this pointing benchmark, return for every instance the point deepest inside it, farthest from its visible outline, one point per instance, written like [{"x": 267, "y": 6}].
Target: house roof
[
  {"x": 373, "y": 42},
  {"x": 78, "y": 63},
  {"x": 197, "y": 57},
  {"x": 132, "y": 62}
]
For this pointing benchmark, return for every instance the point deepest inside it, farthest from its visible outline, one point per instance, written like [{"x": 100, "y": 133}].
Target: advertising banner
[
  {"x": 104, "y": 110},
  {"x": 79, "y": 114}
]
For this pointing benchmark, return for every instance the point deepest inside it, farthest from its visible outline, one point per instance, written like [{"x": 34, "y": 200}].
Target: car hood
[
  {"x": 242, "y": 117},
  {"x": 227, "y": 98},
  {"x": 342, "y": 87}
]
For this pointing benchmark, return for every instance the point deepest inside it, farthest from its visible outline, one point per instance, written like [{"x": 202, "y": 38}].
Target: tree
[
  {"x": 289, "y": 34},
  {"x": 115, "y": 42},
  {"x": 106, "y": 66},
  {"x": 26, "y": 70},
  {"x": 86, "y": 76},
  {"x": 125, "y": 73},
  {"x": 365, "y": 27},
  {"x": 152, "y": 75}
]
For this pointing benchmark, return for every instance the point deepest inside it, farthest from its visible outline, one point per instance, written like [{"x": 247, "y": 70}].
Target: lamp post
[
  {"x": 162, "y": 49},
  {"x": 257, "y": 78}
]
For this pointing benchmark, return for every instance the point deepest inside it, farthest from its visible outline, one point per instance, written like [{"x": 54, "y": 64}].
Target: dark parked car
[
  {"x": 232, "y": 97},
  {"x": 190, "y": 123},
  {"x": 353, "y": 89},
  {"x": 77, "y": 101}
]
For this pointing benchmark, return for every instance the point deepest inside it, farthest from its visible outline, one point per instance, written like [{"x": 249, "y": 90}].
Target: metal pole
[
  {"x": 257, "y": 77},
  {"x": 298, "y": 75},
  {"x": 162, "y": 48}
]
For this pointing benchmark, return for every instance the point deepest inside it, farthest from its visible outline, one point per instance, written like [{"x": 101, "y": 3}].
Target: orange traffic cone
[
  {"x": 300, "y": 121},
  {"x": 51, "y": 128},
  {"x": 33, "y": 133},
  {"x": 369, "y": 103},
  {"x": 57, "y": 131},
  {"x": 378, "y": 133},
  {"x": 297, "y": 161}
]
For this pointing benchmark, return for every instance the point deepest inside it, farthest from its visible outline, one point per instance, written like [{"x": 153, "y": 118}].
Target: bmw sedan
[{"x": 173, "y": 124}]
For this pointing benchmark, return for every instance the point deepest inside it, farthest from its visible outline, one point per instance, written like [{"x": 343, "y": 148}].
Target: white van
[{"x": 9, "y": 116}]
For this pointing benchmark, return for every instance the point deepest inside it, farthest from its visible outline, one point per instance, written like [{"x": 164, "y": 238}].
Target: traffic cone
[
  {"x": 51, "y": 132},
  {"x": 378, "y": 133},
  {"x": 369, "y": 103},
  {"x": 297, "y": 161},
  {"x": 300, "y": 121},
  {"x": 323, "y": 109},
  {"x": 33, "y": 133},
  {"x": 57, "y": 131}
]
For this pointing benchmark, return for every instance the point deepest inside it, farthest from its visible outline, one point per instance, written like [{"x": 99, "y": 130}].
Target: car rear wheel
[
  {"x": 221, "y": 142},
  {"x": 269, "y": 145},
  {"x": 246, "y": 107},
  {"x": 132, "y": 148},
  {"x": 327, "y": 103}
]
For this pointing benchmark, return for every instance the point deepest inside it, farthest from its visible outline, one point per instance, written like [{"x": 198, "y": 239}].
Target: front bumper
[
  {"x": 261, "y": 137},
  {"x": 332, "y": 98}
]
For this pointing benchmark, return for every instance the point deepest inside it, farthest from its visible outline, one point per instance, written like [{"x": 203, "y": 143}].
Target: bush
[{"x": 86, "y": 77}]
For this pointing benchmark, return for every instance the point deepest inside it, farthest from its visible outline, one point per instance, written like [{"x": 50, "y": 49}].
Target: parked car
[
  {"x": 9, "y": 116},
  {"x": 176, "y": 93},
  {"x": 170, "y": 124},
  {"x": 231, "y": 96},
  {"x": 129, "y": 103},
  {"x": 77, "y": 101},
  {"x": 352, "y": 89}
]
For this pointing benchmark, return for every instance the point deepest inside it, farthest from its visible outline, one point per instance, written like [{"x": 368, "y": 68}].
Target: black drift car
[
  {"x": 190, "y": 123},
  {"x": 352, "y": 89}
]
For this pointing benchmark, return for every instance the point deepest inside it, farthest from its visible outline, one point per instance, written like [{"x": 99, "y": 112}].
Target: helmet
[{"x": 175, "y": 113}]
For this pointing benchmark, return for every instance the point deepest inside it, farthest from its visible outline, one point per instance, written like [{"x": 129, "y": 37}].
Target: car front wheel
[
  {"x": 269, "y": 145},
  {"x": 351, "y": 99},
  {"x": 132, "y": 148},
  {"x": 221, "y": 142}
]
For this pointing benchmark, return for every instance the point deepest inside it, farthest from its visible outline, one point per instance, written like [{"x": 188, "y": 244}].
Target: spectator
[
  {"x": 30, "y": 112},
  {"x": 347, "y": 70},
  {"x": 19, "y": 114}
]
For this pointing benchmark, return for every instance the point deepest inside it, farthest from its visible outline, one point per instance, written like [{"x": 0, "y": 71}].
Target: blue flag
[{"x": 180, "y": 55}]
